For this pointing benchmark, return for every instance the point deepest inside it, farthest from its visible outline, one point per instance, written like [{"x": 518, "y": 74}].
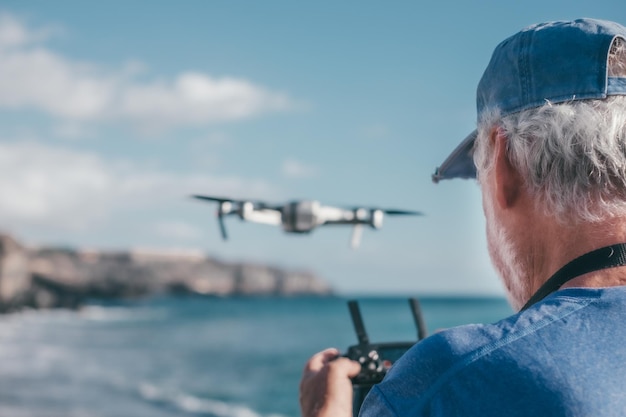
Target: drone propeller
[
  {"x": 393, "y": 212},
  {"x": 216, "y": 199},
  {"x": 258, "y": 205}
]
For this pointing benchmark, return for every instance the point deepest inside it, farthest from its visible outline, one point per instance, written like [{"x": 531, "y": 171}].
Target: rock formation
[{"x": 55, "y": 277}]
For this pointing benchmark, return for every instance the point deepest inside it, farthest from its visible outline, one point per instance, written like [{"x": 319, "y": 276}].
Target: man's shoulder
[
  {"x": 444, "y": 357},
  {"x": 445, "y": 351}
]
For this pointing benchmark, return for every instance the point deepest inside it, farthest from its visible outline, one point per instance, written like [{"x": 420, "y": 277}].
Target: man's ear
[{"x": 507, "y": 180}]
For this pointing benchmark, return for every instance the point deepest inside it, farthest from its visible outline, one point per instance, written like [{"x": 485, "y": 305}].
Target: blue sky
[{"x": 112, "y": 113}]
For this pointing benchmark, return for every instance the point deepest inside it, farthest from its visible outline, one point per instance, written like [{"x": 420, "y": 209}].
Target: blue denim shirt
[{"x": 565, "y": 356}]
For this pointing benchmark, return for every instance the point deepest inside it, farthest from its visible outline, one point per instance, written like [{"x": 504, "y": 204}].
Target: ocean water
[{"x": 230, "y": 357}]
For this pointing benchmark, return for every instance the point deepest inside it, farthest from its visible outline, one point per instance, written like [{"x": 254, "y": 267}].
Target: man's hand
[{"x": 325, "y": 387}]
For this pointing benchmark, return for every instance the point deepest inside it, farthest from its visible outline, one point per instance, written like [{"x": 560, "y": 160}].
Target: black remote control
[{"x": 376, "y": 358}]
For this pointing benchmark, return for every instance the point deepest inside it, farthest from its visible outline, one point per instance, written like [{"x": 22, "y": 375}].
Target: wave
[
  {"x": 195, "y": 405},
  {"x": 100, "y": 313},
  {"x": 88, "y": 313}
]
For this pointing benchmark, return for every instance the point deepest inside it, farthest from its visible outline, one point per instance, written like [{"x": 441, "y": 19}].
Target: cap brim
[{"x": 460, "y": 163}]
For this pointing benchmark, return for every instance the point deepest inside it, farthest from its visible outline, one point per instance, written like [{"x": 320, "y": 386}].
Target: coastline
[{"x": 50, "y": 277}]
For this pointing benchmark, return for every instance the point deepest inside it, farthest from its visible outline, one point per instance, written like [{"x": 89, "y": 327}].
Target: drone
[{"x": 302, "y": 216}]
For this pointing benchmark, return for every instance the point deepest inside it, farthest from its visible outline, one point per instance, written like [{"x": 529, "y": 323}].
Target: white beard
[{"x": 505, "y": 257}]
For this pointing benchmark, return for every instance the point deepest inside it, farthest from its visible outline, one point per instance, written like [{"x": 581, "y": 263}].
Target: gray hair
[{"x": 571, "y": 155}]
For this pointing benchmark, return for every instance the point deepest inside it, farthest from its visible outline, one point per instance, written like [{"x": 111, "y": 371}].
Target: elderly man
[{"x": 550, "y": 157}]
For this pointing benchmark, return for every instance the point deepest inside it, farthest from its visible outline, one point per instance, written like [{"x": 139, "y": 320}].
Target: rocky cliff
[{"x": 53, "y": 277}]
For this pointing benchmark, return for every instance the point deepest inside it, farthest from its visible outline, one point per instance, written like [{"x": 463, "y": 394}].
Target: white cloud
[
  {"x": 40, "y": 79},
  {"x": 42, "y": 186},
  {"x": 34, "y": 77},
  {"x": 195, "y": 98},
  {"x": 292, "y": 168},
  {"x": 13, "y": 33},
  {"x": 39, "y": 184}
]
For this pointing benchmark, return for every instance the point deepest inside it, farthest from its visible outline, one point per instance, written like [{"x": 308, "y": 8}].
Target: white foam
[
  {"x": 101, "y": 313},
  {"x": 192, "y": 404}
]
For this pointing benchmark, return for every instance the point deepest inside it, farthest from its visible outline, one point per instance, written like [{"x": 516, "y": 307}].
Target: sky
[{"x": 113, "y": 113}]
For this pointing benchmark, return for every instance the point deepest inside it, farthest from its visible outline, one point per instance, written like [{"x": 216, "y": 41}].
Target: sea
[{"x": 195, "y": 356}]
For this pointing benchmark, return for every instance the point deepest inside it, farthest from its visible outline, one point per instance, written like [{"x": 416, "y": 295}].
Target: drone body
[{"x": 301, "y": 216}]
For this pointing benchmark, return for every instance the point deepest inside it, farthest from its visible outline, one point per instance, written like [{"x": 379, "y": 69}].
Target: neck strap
[{"x": 603, "y": 258}]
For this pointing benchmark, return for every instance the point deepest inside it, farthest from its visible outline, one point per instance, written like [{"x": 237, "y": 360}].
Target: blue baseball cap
[{"x": 556, "y": 62}]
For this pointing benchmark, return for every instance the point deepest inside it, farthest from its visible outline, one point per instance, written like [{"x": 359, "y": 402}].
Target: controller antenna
[
  {"x": 419, "y": 318},
  {"x": 357, "y": 320}
]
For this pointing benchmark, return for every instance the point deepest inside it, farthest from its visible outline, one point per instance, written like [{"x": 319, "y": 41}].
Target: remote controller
[{"x": 376, "y": 358}]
